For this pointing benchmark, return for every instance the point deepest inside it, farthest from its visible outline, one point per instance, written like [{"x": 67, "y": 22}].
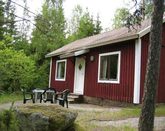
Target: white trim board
[
  {"x": 79, "y": 76},
  {"x": 137, "y": 73},
  {"x": 56, "y": 70},
  {"x": 118, "y": 73},
  {"x": 50, "y": 74}
]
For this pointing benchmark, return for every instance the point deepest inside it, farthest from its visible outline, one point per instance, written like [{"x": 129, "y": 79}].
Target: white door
[{"x": 79, "y": 76}]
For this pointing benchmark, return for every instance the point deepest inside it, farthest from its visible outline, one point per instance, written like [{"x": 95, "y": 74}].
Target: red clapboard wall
[
  {"x": 161, "y": 85},
  {"x": 118, "y": 92},
  {"x": 68, "y": 83}
]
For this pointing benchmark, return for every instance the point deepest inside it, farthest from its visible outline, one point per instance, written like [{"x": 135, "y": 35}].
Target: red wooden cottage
[{"x": 109, "y": 66}]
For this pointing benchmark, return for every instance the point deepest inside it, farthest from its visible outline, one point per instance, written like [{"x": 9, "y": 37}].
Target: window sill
[
  {"x": 110, "y": 82},
  {"x": 60, "y": 79}
]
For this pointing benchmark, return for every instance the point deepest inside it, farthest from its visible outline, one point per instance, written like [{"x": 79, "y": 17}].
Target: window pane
[
  {"x": 113, "y": 67},
  {"x": 109, "y": 67},
  {"x": 60, "y": 70},
  {"x": 103, "y": 68}
]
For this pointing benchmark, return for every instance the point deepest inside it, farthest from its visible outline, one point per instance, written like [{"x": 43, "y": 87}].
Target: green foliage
[
  {"x": 148, "y": 10},
  {"x": 73, "y": 23},
  {"x": 16, "y": 70},
  {"x": 120, "y": 17},
  {"x": 47, "y": 36},
  {"x": 50, "y": 25},
  {"x": 42, "y": 75},
  {"x": 10, "y": 17},
  {"x": 98, "y": 27},
  {"x": 84, "y": 25},
  {"x": 8, "y": 121},
  {"x": 1, "y": 20},
  {"x": 123, "y": 17}
]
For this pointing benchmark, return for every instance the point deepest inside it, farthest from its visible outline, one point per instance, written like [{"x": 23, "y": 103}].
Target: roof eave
[
  {"x": 144, "y": 32},
  {"x": 52, "y": 54},
  {"x": 135, "y": 36},
  {"x": 147, "y": 30}
]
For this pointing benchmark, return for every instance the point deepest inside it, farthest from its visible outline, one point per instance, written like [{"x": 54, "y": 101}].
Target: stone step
[
  {"x": 75, "y": 98},
  {"x": 70, "y": 100},
  {"x": 75, "y": 94}
]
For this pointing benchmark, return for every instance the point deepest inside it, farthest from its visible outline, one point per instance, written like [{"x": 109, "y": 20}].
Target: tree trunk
[{"x": 146, "y": 121}]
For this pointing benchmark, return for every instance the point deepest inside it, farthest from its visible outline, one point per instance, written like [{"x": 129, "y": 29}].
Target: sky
[{"x": 105, "y": 8}]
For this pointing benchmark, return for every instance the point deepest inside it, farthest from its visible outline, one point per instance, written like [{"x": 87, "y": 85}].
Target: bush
[
  {"x": 8, "y": 121},
  {"x": 16, "y": 70}
]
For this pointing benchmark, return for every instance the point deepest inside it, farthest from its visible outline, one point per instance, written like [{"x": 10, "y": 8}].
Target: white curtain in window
[
  {"x": 104, "y": 68},
  {"x": 59, "y": 70}
]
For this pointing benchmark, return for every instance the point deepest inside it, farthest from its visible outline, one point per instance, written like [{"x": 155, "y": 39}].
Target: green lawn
[{"x": 10, "y": 97}]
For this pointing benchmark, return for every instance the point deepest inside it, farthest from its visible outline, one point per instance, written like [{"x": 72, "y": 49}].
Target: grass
[
  {"x": 10, "y": 97},
  {"x": 85, "y": 118},
  {"x": 160, "y": 110}
]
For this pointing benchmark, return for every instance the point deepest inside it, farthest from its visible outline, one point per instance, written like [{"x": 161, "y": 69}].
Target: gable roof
[{"x": 110, "y": 37}]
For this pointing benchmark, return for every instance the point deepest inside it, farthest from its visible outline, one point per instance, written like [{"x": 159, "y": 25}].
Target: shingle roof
[{"x": 110, "y": 37}]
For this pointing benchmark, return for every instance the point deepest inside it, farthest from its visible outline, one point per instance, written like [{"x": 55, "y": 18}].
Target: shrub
[
  {"x": 16, "y": 70},
  {"x": 8, "y": 121}
]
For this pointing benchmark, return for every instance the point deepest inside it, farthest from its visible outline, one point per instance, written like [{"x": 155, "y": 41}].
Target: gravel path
[
  {"x": 8, "y": 105},
  {"x": 90, "y": 107}
]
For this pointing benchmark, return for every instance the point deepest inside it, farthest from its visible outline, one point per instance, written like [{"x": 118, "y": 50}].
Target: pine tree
[
  {"x": 48, "y": 35},
  {"x": 1, "y": 20},
  {"x": 84, "y": 24}
]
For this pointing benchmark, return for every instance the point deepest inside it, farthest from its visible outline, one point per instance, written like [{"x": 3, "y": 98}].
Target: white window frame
[
  {"x": 58, "y": 61},
  {"x": 118, "y": 70}
]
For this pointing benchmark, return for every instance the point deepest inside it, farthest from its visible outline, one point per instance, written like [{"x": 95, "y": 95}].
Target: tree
[
  {"x": 148, "y": 9},
  {"x": 10, "y": 28},
  {"x": 120, "y": 17},
  {"x": 98, "y": 27},
  {"x": 24, "y": 25},
  {"x": 123, "y": 16},
  {"x": 73, "y": 24},
  {"x": 48, "y": 35},
  {"x": 88, "y": 26},
  {"x": 1, "y": 20},
  {"x": 84, "y": 24},
  {"x": 16, "y": 69},
  {"x": 146, "y": 121}
]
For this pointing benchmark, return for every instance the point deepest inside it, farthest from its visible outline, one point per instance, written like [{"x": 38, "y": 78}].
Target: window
[
  {"x": 60, "y": 70},
  {"x": 109, "y": 67}
]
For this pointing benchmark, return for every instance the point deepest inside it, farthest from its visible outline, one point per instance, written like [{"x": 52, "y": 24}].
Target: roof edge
[
  {"x": 147, "y": 30},
  {"x": 135, "y": 36}
]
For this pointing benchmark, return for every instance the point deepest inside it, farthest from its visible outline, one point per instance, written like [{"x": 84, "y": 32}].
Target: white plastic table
[{"x": 36, "y": 93}]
